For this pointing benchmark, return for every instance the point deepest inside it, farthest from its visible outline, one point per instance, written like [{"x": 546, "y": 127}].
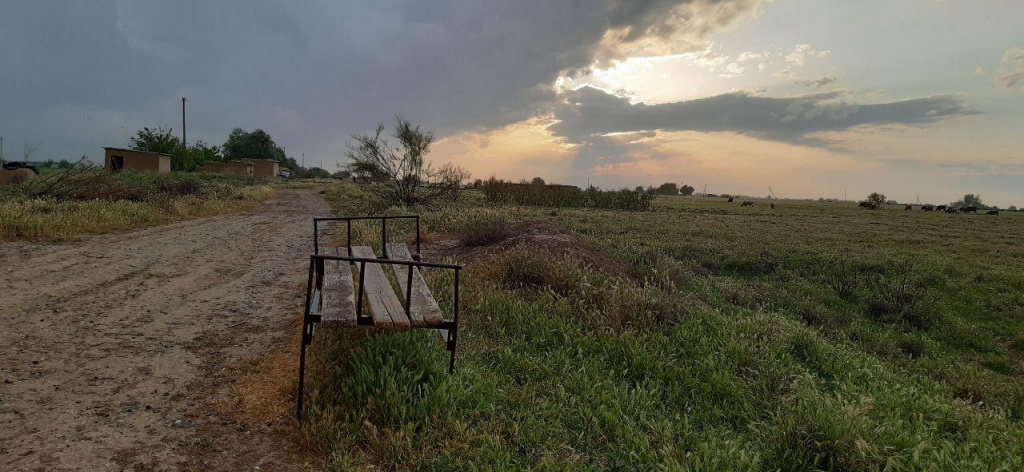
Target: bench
[{"x": 337, "y": 296}]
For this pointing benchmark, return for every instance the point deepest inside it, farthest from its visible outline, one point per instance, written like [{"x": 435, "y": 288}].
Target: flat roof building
[
  {"x": 118, "y": 159},
  {"x": 264, "y": 167}
]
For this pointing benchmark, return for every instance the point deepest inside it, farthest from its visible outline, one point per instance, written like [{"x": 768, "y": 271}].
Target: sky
[{"x": 917, "y": 99}]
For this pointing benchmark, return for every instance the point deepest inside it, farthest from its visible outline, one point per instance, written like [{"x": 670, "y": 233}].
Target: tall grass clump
[{"x": 507, "y": 193}]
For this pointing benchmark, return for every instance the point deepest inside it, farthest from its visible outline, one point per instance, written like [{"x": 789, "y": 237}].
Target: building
[
  {"x": 264, "y": 167},
  {"x": 230, "y": 167},
  {"x": 117, "y": 159}
]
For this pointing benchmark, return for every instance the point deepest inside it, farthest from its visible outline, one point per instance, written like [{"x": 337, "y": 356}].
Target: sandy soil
[{"x": 114, "y": 348}]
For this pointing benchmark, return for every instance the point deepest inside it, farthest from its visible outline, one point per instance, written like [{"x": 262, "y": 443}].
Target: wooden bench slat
[
  {"x": 385, "y": 307},
  {"x": 424, "y": 311},
  {"x": 339, "y": 297}
]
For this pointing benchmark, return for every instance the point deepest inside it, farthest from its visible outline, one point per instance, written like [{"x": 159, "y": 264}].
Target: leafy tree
[
  {"x": 686, "y": 190},
  {"x": 157, "y": 139},
  {"x": 257, "y": 144},
  {"x": 405, "y": 175},
  {"x": 876, "y": 200},
  {"x": 64, "y": 164},
  {"x": 1011, "y": 208},
  {"x": 342, "y": 175},
  {"x": 969, "y": 200},
  {"x": 538, "y": 181},
  {"x": 639, "y": 189},
  {"x": 667, "y": 188}
]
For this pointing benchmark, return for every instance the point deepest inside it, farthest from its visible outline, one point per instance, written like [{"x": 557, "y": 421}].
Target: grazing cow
[
  {"x": 730, "y": 199},
  {"x": 16, "y": 176},
  {"x": 773, "y": 205},
  {"x": 941, "y": 208},
  {"x": 992, "y": 212},
  {"x": 952, "y": 210},
  {"x": 747, "y": 203},
  {"x": 867, "y": 205},
  {"x": 908, "y": 207},
  {"x": 928, "y": 208},
  {"x": 969, "y": 210}
]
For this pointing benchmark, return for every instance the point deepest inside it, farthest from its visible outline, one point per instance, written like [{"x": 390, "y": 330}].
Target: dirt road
[{"x": 112, "y": 348}]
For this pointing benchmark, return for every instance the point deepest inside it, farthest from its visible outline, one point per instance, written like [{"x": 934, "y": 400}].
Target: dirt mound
[{"x": 535, "y": 236}]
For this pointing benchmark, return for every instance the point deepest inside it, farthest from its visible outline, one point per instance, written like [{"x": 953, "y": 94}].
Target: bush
[
  {"x": 482, "y": 228},
  {"x": 901, "y": 297},
  {"x": 507, "y": 193}
]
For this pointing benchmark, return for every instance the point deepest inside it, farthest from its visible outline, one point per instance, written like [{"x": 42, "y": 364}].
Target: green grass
[
  {"x": 121, "y": 202},
  {"x": 815, "y": 336}
]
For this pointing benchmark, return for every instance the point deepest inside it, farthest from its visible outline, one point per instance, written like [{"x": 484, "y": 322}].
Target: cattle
[
  {"x": 747, "y": 203},
  {"x": 928, "y": 208},
  {"x": 867, "y": 205},
  {"x": 908, "y": 207},
  {"x": 772, "y": 205},
  {"x": 969, "y": 210},
  {"x": 941, "y": 208},
  {"x": 992, "y": 212},
  {"x": 730, "y": 199},
  {"x": 952, "y": 210},
  {"x": 16, "y": 176}
]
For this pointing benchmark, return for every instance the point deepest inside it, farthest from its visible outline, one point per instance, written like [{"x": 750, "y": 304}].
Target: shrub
[
  {"x": 902, "y": 297},
  {"x": 507, "y": 193},
  {"x": 482, "y": 228}
]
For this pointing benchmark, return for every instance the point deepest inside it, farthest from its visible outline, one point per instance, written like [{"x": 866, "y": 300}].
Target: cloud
[
  {"x": 819, "y": 83},
  {"x": 785, "y": 73},
  {"x": 802, "y": 52},
  {"x": 590, "y": 116},
  {"x": 323, "y": 69},
  {"x": 1014, "y": 79},
  {"x": 979, "y": 71}
]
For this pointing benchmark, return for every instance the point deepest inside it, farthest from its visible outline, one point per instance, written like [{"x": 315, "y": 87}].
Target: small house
[
  {"x": 264, "y": 167},
  {"x": 117, "y": 159},
  {"x": 230, "y": 167}
]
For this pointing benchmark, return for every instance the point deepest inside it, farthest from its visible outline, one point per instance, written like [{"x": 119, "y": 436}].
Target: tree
[
  {"x": 686, "y": 190},
  {"x": 342, "y": 175},
  {"x": 538, "y": 181},
  {"x": 969, "y": 200},
  {"x": 257, "y": 144},
  {"x": 876, "y": 200},
  {"x": 667, "y": 188},
  {"x": 405, "y": 175},
  {"x": 1011, "y": 208},
  {"x": 157, "y": 139},
  {"x": 639, "y": 189}
]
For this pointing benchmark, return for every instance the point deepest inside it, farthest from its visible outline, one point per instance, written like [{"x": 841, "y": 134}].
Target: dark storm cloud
[
  {"x": 79, "y": 75},
  {"x": 588, "y": 115}
]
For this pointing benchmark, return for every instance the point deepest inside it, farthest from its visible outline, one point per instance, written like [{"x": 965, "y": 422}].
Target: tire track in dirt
[{"x": 111, "y": 347}]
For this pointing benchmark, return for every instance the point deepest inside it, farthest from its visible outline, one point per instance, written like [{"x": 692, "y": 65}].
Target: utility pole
[
  {"x": 705, "y": 190},
  {"x": 1, "y": 150},
  {"x": 303, "y": 160},
  {"x": 184, "y": 141}
]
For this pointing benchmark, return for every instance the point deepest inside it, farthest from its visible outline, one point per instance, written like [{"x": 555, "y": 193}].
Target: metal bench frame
[{"x": 449, "y": 329}]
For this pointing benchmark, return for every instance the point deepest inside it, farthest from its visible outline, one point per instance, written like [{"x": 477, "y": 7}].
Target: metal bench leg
[{"x": 305, "y": 338}]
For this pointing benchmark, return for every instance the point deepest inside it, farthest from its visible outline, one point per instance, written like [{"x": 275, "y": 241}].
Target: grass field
[
  {"x": 816, "y": 336},
  {"x": 122, "y": 202}
]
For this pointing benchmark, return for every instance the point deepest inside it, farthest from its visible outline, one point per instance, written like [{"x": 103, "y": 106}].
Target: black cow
[
  {"x": 928, "y": 208},
  {"x": 992, "y": 212},
  {"x": 969, "y": 210},
  {"x": 867, "y": 205},
  {"x": 941, "y": 208},
  {"x": 952, "y": 210}
]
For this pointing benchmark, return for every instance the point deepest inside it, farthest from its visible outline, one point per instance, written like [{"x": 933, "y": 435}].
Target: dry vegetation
[{"x": 62, "y": 205}]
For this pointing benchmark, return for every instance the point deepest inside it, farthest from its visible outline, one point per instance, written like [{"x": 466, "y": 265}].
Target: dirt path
[{"x": 112, "y": 348}]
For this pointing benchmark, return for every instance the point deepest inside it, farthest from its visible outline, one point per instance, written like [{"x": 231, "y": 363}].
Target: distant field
[{"x": 813, "y": 336}]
